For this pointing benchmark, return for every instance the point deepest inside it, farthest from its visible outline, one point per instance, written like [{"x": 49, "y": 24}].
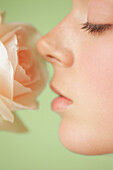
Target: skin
[
  {"x": 83, "y": 71},
  {"x": 100, "y": 11}
]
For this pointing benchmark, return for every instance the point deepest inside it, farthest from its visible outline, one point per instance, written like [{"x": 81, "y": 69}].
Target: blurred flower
[{"x": 23, "y": 73}]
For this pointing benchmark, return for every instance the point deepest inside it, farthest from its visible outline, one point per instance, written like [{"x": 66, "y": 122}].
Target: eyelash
[{"x": 93, "y": 28}]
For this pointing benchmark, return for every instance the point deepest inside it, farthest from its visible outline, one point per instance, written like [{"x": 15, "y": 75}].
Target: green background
[{"x": 41, "y": 149}]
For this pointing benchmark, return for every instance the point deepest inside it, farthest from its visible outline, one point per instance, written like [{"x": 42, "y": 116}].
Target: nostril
[{"x": 53, "y": 58}]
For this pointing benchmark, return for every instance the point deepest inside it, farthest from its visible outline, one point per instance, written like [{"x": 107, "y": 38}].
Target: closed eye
[{"x": 94, "y": 28}]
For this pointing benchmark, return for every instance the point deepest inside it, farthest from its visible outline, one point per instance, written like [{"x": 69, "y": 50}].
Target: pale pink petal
[
  {"x": 6, "y": 74},
  {"x": 5, "y": 112},
  {"x": 22, "y": 30},
  {"x": 28, "y": 100},
  {"x": 20, "y": 75},
  {"x": 37, "y": 67},
  {"x": 25, "y": 58},
  {"x": 39, "y": 74},
  {"x": 19, "y": 89},
  {"x": 30, "y": 64},
  {"x": 5, "y": 36},
  {"x": 37, "y": 88},
  {"x": 13, "y": 106},
  {"x": 16, "y": 126},
  {"x": 11, "y": 46},
  {"x": 34, "y": 73}
]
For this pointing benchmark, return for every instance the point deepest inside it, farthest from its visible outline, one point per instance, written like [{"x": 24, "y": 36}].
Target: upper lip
[{"x": 56, "y": 91}]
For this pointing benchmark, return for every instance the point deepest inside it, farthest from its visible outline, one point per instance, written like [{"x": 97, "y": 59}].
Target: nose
[{"x": 54, "y": 47}]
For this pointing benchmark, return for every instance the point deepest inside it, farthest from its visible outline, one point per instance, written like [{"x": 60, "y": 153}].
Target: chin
[{"x": 83, "y": 141}]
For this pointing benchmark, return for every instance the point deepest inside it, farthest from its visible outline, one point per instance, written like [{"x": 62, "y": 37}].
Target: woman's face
[{"x": 83, "y": 72}]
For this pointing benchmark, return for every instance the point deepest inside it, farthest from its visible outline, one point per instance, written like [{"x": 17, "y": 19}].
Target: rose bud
[{"x": 23, "y": 73}]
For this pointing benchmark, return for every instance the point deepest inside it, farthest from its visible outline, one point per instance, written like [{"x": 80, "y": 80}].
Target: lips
[
  {"x": 59, "y": 93},
  {"x": 61, "y": 103}
]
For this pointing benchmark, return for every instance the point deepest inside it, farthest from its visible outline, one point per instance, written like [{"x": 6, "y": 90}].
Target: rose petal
[
  {"x": 37, "y": 67},
  {"x": 35, "y": 74},
  {"x": 5, "y": 112},
  {"x": 17, "y": 126},
  {"x": 13, "y": 106},
  {"x": 11, "y": 47},
  {"x": 22, "y": 30},
  {"x": 19, "y": 89},
  {"x": 5, "y": 36},
  {"x": 6, "y": 74},
  {"x": 28, "y": 100},
  {"x": 24, "y": 57},
  {"x": 37, "y": 88},
  {"x": 20, "y": 75}
]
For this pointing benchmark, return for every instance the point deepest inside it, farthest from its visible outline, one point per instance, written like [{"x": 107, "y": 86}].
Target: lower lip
[{"x": 60, "y": 104}]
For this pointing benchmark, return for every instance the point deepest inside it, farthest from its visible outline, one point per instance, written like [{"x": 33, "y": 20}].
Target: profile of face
[{"x": 82, "y": 59}]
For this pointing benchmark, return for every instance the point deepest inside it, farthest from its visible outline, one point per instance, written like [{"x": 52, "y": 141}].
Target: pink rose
[{"x": 23, "y": 73}]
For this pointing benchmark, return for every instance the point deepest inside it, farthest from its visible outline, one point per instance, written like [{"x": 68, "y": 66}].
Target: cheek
[
  {"x": 95, "y": 74},
  {"x": 98, "y": 68}
]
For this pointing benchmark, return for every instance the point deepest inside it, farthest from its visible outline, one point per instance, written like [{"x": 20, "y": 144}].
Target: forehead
[
  {"x": 80, "y": 4},
  {"x": 102, "y": 3},
  {"x": 100, "y": 11},
  {"x": 93, "y": 3}
]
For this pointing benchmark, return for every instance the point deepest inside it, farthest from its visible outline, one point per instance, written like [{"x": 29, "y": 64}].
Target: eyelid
[{"x": 96, "y": 28}]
